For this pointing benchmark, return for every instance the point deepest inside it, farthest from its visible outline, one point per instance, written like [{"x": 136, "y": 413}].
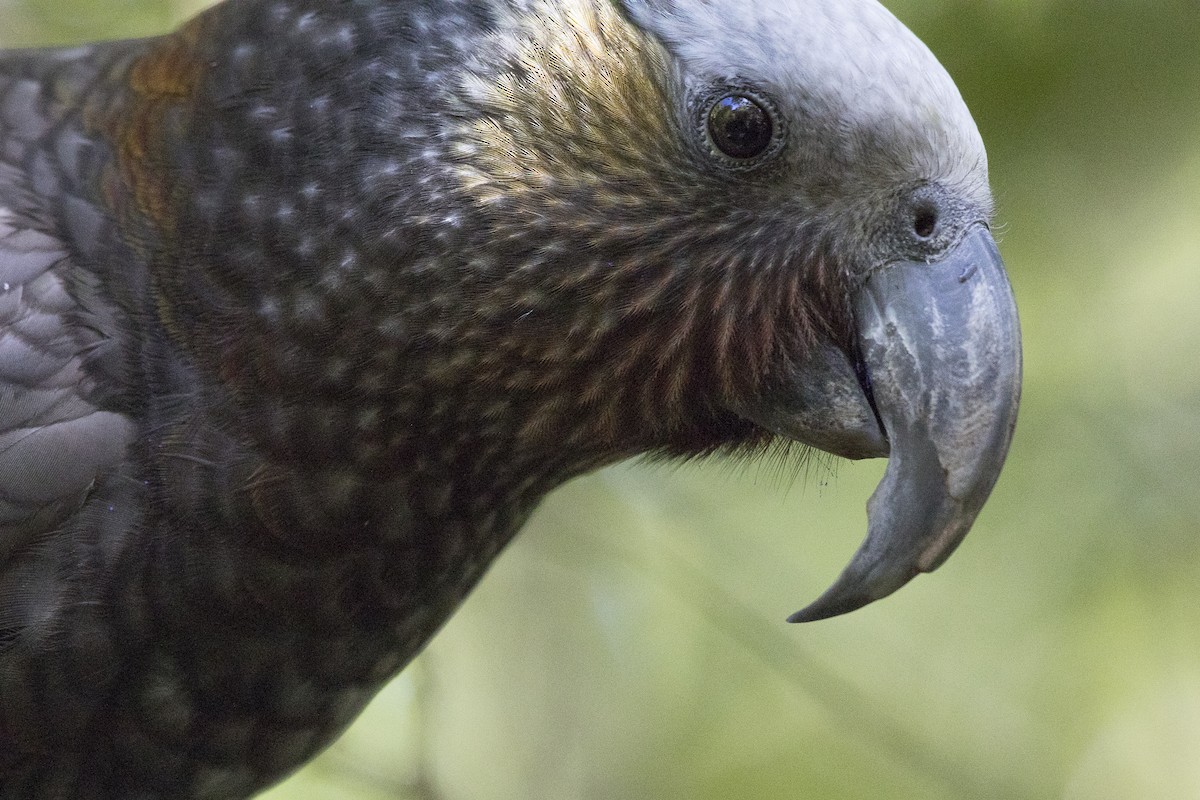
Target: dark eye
[
  {"x": 739, "y": 127},
  {"x": 925, "y": 220}
]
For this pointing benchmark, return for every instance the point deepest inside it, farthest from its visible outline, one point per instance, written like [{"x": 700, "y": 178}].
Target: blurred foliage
[{"x": 631, "y": 643}]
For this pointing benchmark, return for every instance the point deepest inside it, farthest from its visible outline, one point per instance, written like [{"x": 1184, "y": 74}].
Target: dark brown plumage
[{"x": 307, "y": 305}]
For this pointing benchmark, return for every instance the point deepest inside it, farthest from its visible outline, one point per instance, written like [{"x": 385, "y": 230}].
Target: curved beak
[{"x": 941, "y": 346}]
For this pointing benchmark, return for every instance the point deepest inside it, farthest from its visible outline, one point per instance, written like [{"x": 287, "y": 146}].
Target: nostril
[{"x": 925, "y": 220}]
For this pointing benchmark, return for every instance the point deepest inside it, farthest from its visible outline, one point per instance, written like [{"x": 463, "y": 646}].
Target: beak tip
[
  {"x": 864, "y": 581},
  {"x": 813, "y": 613},
  {"x": 836, "y": 601},
  {"x": 826, "y": 607}
]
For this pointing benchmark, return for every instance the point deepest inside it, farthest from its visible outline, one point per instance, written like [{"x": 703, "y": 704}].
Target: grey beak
[{"x": 941, "y": 343}]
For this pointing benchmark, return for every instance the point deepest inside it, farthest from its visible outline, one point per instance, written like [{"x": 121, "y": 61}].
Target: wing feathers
[{"x": 54, "y": 443}]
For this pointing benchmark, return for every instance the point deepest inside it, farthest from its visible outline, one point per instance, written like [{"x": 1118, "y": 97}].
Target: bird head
[
  {"x": 728, "y": 221},
  {"x": 559, "y": 233}
]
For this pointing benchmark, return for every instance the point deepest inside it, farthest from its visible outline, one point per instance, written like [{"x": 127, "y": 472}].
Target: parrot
[{"x": 306, "y": 305}]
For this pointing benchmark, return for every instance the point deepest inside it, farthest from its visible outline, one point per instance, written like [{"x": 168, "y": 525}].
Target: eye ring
[{"x": 740, "y": 127}]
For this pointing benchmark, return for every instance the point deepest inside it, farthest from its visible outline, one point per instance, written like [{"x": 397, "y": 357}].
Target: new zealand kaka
[{"x": 305, "y": 306}]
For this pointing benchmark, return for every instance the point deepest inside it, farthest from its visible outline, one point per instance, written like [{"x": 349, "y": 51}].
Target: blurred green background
[{"x": 631, "y": 643}]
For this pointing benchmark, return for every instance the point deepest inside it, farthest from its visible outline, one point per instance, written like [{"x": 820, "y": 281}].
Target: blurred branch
[{"x": 845, "y": 704}]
